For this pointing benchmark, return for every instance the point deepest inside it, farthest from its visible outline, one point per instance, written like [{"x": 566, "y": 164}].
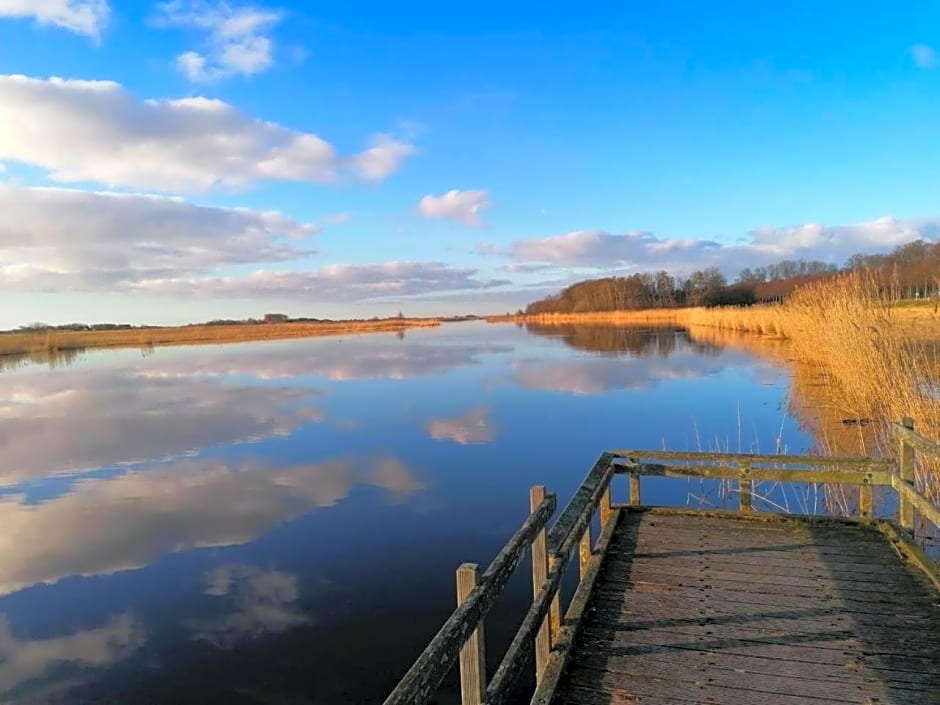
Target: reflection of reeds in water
[
  {"x": 53, "y": 358},
  {"x": 636, "y": 339}
]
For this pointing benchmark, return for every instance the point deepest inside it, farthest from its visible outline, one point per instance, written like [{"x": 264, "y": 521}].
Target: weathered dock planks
[{"x": 676, "y": 617}]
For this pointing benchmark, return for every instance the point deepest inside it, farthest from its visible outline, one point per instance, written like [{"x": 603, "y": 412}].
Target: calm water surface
[{"x": 280, "y": 522}]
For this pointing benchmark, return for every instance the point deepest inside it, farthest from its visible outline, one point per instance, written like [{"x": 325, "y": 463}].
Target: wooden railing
[{"x": 462, "y": 637}]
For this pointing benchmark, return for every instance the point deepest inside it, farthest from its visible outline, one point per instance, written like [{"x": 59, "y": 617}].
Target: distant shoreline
[{"x": 60, "y": 340}]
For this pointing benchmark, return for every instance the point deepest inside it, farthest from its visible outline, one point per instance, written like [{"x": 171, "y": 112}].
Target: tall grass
[{"x": 877, "y": 361}]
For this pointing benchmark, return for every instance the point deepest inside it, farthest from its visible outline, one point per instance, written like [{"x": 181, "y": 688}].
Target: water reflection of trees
[
  {"x": 639, "y": 341},
  {"x": 53, "y": 358}
]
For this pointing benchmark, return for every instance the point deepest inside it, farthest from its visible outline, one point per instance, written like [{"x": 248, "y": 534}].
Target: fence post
[
  {"x": 866, "y": 500},
  {"x": 473, "y": 653},
  {"x": 635, "y": 488},
  {"x": 745, "y": 490},
  {"x": 543, "y": 640},
  {"x": 585, "y": 551},
  {"x": 605, "y": 506},
  {"x": 906, "y": 467}
]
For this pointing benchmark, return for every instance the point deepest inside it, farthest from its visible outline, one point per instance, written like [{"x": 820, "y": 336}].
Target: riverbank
[
  {"x": 54, "y": 340},
  {"x": 861, "y": 355}
]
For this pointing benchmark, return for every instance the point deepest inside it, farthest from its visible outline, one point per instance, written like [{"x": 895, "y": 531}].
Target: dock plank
[{"x": 719, "y": 610}]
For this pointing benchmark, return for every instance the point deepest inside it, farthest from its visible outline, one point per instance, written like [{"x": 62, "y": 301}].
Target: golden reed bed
[{"x": 58, "y": 340}]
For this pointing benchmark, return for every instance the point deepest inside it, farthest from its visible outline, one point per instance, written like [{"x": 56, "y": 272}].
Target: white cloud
[
  {"x": 463, "y": 206},
  {"x": 87, "y": 17},
  {"x": 471, "y": 427},
  {"x": 238, "y": 40},
  {"x": 642, "y": 251},
  {"x": 96, "y": 131},
  {"x": 143, "y": 515},
  {"x": 333, "y": 283},
  {"x": 383, "y": 158},
  {"x": 924, "y": 56},
  {"x": 55, "y": 239}
]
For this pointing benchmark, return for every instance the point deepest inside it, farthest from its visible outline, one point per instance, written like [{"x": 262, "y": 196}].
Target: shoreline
[{"x": 53, "y": 340}]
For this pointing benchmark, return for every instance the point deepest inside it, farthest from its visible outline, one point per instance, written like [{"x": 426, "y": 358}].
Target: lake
[{"x": 280, "y": 522}]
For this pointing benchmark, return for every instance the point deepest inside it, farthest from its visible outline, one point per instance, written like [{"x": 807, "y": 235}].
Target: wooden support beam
[
  {"x": 473, "y": 653},
  {"x": 585, "y": 551},
  {"x": 906, "y": 471},
  {"x": 866, "y": 501},
  {"x": 635, "y": 497},
  {"x": 744, "y": 487},
  {"x": 605, "y": 506},
  {"x": 543, "y": 640}
]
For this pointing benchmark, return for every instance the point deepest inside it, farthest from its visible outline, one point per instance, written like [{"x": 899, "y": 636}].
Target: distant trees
[{"x": 911, "y": 270}]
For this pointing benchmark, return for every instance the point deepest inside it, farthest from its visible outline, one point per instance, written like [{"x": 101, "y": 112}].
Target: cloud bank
[
  {"x": 644, "y": 251},
  {"x": 97, "y": 131}
]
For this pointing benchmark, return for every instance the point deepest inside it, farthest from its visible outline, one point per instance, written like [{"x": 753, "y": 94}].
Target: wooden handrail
[
  {"x": 755, "y": 458},
  {"x": 437, "y": 659},
  {"x": 567, "y": 533},
  {"x": 915, "y": 440},
  {"x": 841, "y": 476}
]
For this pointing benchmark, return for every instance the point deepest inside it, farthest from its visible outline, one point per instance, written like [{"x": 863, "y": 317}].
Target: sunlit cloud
[
  {"x": 238, "y": 39},
  {"x": 463, "y": 206},
  {"x": 87, "y": 17},
  {"x": 97, "y": 131},
  {"x": 643, "y": 251}
]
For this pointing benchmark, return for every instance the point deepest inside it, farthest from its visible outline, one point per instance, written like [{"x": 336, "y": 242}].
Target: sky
[{"x": 182, "y": 160}]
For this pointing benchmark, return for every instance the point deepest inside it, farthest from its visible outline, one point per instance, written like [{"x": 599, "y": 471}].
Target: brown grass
[{"x": 58, "y": 340}]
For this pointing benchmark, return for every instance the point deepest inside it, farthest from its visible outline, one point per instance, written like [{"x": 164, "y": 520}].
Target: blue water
[{"x": 280, "y": 522}]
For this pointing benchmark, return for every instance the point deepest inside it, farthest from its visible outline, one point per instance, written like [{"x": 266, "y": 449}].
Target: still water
[{"x": 279, "y": 522}]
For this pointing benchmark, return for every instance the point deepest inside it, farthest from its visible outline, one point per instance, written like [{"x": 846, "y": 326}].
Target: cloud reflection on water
[{"x": 107, "y": 525}]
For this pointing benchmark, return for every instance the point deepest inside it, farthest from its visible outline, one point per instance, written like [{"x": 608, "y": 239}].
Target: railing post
[
  {"x": 635, "y": 497},
  {"x": 473, "y": 653},
  {"x": 604, "y": 505},
  {"x": 745, "y": 490},
  {"x": 585, "y": 551},
  {"x": 906, "y": 468},
  {"x": 866, "y": 502},
  {"x": 543, "y": 641}
]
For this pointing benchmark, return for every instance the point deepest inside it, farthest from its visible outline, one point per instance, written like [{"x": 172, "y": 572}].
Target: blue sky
[{"x": 196, "y": 159}]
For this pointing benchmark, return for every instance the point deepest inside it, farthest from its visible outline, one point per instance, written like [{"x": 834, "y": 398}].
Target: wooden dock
[{"x": 680, "y": 606}]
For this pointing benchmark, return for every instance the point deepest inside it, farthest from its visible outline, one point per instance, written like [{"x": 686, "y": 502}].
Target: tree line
[{"x": 911, "y": 270}]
